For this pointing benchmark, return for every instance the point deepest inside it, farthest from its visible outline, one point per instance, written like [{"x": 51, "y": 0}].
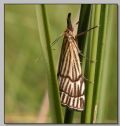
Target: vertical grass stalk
[
  {"x": 100, "y": 53},
  {"x": 108, "y": 75},
  {"x": 91, "y": 76},
  {"x": 83, "y": 40},
  {"x": 68, "y": 116},
  {"x": 55, "y": 107}
]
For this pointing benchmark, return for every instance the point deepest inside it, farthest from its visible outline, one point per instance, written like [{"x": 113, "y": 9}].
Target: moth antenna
[
  {"x": 56, "y": 40},
  {"x": 82, "y": 33}
]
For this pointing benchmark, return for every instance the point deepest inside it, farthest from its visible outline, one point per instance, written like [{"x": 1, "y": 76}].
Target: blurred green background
[{"x": 25, "y": 69}]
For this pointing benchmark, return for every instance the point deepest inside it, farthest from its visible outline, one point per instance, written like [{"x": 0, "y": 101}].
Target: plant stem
[
  {"x": 102, "y": 31},
  {"x": 83, "y": 40},
  {"x": 68, "y": 116},
  {"x": 92, "y": 65},
  {"x": 52, "y": 83}
]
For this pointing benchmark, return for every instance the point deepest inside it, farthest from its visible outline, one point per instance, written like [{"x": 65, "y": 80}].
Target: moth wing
[{"x": 71, "y": 82}]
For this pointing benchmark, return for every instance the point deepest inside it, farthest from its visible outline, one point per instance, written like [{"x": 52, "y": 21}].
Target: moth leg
[
  {"x": 79, "y": 52},
  {"x": 54, "y": 49},
  {"x": 92, "y": 61},
  {"x": 88, "y": 80}
]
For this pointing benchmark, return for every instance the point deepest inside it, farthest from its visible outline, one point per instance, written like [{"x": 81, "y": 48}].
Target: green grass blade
[
  {"x": 68, "y": 116},
  {"x": 100, "y": 49},
  {"x": 92, "y": 65},
  {"x": 108, "y": 78},
  {"x": 83, "y": 24},
  {"x": 83, "y": 40},
  {"x": 55, "y": 107}
]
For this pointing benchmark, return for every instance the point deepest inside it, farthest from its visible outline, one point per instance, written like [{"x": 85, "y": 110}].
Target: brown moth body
[{"x": 71, "y": 82}]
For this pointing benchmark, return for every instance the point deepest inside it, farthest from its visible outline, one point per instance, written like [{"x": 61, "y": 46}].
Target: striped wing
[{"x": 71, "y": 83}]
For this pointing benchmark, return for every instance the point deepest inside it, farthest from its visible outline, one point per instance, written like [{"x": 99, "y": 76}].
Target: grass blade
[
  {"x": 52, "y": 85},
  {"x": 92, "y": 65},
  {"x": 68, "y": 116},
  {"x": 100, "y": 48},
  {"x": 83, "y": 40},
  {"x": 108, "y": 76}
]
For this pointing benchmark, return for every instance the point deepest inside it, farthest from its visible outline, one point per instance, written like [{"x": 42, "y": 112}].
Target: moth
[{"x": 70, "y": 78}]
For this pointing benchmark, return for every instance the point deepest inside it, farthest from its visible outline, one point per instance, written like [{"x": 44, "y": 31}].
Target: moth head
[{"x": 69, "y": 34}]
